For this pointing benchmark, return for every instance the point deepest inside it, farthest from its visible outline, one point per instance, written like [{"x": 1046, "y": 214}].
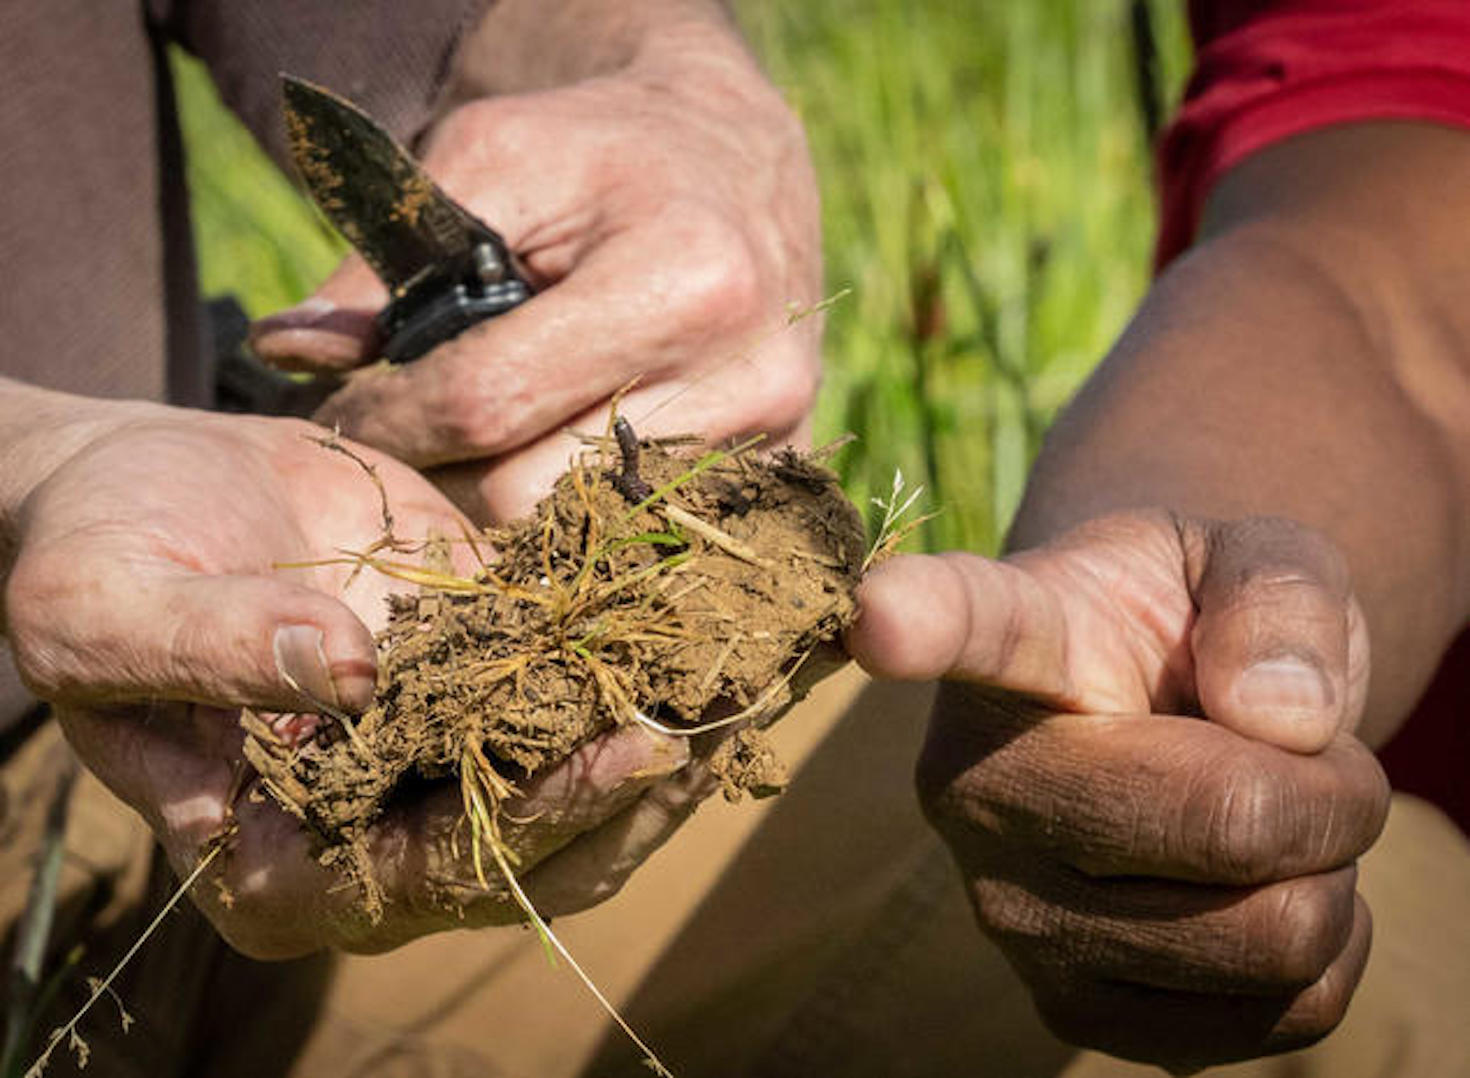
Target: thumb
[
  {"x": 150, "y": 633},
  {"x": 962, "y": 617},
  {"x": 1279, "y": 643},
  {"x": 333, "y": 329}
]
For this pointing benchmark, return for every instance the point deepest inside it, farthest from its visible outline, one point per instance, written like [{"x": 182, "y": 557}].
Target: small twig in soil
[
  {"x": 705, "y": 530},
  {"x": 719, "y": 664},
  {"x": 820, "y": 559}
]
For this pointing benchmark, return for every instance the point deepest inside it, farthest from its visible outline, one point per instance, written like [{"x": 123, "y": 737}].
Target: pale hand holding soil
[{"x": 696, "y": 605}]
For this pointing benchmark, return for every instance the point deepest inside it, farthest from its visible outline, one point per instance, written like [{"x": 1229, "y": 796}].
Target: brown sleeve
[{"x": 393, "y": 58}]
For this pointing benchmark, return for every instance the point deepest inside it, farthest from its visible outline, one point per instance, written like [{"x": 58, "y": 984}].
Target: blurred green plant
[
  {"x": 257, "y": 237},
  {"x": 987, "y": 198}
]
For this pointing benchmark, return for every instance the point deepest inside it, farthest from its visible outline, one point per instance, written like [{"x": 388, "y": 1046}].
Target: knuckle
[
  {"x": 256, "y": 925},
  {"x": 1305, "y": 928},
  {"x": 40, "y": 666},
  {"x": 468, "y": 120},
  {"x": 1358, "y": 805},
  {"x": 1010, "y": 914},
  {"x": 1319, "y": 1009},
  {"x": 1370, "y": 803},
  {"x": 1329, "y": 821},
  {"x": 934, "y": 773},
  {"x": 1230, "y": 820},
  {"x": 193, "y": 652},
  {"x": 951, "y": 801},
  {"x": 670, "y": 805},
  {"x": 32, "y": 595},
  {"x": 563, "y": 901},
  {"x": 473, "y": 418},
  {"x": 1284, "y": 556},
  {"x": 786, "y": 391},
  {"x": 1315, "y": 1014},
  {"x": 719, "y": 271},
  {"x": 483, "y": 123},
  {"x": 238, "y": 932},
  {"x": 932, "y": 788},
  {"x": 1241, "y": 844},
  {"x": 29, "y": 590},
  {"x": 1280, "y": 587},
  {"x": 965, "y": 817},
  {"x": 962, "y": 774}
]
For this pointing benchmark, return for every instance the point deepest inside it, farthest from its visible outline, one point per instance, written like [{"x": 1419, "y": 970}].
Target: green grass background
[{"x": 987, "y": 199}]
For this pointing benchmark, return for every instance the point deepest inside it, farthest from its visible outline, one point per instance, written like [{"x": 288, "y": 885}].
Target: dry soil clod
[{"x": 672, "y": 589}]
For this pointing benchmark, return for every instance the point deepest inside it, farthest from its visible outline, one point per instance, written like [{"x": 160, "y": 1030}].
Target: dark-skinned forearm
[{"x": 1307, "y": 359}]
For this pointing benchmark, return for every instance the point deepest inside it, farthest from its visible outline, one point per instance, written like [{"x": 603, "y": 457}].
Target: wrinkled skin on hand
[
  {"x": 1143, "y": 761},
  {"x": 669, "y": 219},
  {"x": 146, "y": 602}
]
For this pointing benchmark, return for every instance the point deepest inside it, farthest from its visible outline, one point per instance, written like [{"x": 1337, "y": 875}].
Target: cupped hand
[
  {"x": 668, "y": 216},
  {"x": 1143, "y": 761},
  {"x": 150, "y": 598}
]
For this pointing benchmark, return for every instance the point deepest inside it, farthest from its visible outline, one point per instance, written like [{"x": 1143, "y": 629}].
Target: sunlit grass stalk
[
  {"x": 485, "y": 832},
  {"x": 103, "y": 987}
]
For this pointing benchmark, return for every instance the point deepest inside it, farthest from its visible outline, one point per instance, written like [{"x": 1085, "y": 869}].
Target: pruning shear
[{"x": 445, "y": 268}]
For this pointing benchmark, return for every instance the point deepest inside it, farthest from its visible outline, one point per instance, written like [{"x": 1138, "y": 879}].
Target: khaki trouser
[{"x": 819, "y": 933}]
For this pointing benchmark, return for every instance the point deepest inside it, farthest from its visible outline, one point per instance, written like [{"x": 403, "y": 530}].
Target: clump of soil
[{"x": 650, "y": 586}]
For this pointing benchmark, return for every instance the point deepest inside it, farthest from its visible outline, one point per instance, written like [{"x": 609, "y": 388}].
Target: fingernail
[
  {"x": 301, "y": 659},
  {"x": 1284, "y": 682},
  {"x": 310, "y": 312}
]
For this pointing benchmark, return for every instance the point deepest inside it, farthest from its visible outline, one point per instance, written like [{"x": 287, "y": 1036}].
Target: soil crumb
[{"x": 651, "y": 585}]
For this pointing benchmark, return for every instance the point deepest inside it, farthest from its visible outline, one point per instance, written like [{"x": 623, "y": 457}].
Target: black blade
[{"x": 379, "y": 197}]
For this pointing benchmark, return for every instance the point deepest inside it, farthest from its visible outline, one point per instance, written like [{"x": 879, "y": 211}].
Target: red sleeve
[
  {"x": 1270, "y": 69},
  {"x": 1427, "y": 756}
]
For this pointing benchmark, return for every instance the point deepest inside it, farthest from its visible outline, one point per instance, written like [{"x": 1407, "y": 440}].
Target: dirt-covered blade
[{"x": 377, "y": 195}]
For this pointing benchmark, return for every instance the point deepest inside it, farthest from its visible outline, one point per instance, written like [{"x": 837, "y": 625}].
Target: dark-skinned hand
[{"x": 1142, "y": 758}]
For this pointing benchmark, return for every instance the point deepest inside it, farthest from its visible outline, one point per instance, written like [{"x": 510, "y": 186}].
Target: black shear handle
[
  {"x": 447, "y": 299},
  {"x": 417, "y": 323}
]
